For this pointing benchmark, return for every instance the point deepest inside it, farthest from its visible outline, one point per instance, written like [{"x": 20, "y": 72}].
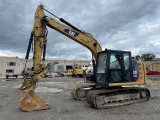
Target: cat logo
[{"x": 71, "y": 32}]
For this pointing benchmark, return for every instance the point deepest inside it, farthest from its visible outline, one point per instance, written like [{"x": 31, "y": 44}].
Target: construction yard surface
[{"x": 56, "y": 92}]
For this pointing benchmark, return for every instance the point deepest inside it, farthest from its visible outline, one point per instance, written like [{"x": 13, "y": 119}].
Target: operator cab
[{"x": 113, "y": 66}]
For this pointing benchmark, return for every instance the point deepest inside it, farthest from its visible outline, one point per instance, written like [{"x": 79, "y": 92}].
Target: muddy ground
[{"x": 56, "y": 92}]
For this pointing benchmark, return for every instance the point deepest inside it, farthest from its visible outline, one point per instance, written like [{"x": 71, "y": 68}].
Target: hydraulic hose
[{"x": 29, "y": 46}]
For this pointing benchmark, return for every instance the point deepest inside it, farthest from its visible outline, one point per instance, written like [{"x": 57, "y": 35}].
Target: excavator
[
  {"x": 116, "y": 78},
  {"x": 77, "y": 71}
]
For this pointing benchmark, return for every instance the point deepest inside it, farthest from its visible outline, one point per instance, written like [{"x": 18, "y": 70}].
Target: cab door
[
  {"x": 115, "y": 67},
  {"x": 118, "y": 66}
]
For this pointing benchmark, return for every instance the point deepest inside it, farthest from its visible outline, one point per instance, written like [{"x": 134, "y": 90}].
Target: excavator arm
[
  {"x": 30, "y": 101},
  {"x": 72, "y": 32},
  {"x": 81, "y": 37}
]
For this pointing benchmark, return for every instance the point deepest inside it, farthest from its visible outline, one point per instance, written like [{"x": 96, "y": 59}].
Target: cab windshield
[{"x": 101, "y": 63}]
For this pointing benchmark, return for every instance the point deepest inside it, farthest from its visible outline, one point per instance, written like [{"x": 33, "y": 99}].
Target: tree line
[{"x": 145, "y": 57}]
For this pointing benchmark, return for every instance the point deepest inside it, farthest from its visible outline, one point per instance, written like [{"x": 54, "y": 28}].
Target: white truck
[
  {"x": 10, "y": 66},
  {"x": 12, "y": 75}
]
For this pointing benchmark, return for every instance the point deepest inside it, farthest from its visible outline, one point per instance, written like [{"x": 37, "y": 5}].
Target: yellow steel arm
[
  {"x": 39, "y": 36},
  {"x": 30, "y": 101},
  {"x": 81, "y": 37}
]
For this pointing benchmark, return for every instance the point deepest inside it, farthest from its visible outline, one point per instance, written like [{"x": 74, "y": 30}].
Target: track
[{"x": 107, "y": 98}]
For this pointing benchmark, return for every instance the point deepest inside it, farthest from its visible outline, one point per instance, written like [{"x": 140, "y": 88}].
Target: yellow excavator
[
  {"x": 112, "y": 69},
  {"x": 77, "y": 71}
]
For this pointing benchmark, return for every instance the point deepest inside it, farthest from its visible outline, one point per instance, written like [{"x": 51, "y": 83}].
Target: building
[
  {"x": 15, "y": 65},
  {"x": 62, "y": 66},
  {"x": 10, "y": 65},
  {"x": 153, "y": 65}
]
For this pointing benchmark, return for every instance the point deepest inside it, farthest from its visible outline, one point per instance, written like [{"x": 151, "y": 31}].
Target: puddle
[
  {"x": 3, "y": 80},
  {"x": 46, "y": 89},
  {"x": 48, "y": 83}
]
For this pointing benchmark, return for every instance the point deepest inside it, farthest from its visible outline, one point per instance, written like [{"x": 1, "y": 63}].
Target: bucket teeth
[{"x": 30, "y": 101}]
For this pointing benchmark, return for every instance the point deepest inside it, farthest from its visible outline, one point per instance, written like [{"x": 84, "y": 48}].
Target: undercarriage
[{"x": 110, "y": 97}]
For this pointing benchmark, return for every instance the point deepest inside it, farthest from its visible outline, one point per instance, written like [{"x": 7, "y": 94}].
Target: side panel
[{"x": 142, "y": 72}]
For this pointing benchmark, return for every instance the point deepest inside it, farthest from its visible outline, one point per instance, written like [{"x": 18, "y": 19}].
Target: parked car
[{"x": 59, "y": 75}]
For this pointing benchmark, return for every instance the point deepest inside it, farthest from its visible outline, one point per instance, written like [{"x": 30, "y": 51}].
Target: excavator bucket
[{"x": 30, "y": 101}]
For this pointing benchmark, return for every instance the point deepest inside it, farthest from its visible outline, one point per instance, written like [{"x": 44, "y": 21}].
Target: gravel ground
[{"x": 56, "y": 92}]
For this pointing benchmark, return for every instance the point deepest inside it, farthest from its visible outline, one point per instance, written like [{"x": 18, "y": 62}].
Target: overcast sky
[{"x": 132, "y": 25}]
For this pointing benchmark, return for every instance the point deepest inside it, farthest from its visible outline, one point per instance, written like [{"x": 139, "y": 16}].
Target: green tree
[
  {"x": 137, "y": 57},
  {"x": 148, "y": 56},
  {"x": 145, "y": 57}
]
